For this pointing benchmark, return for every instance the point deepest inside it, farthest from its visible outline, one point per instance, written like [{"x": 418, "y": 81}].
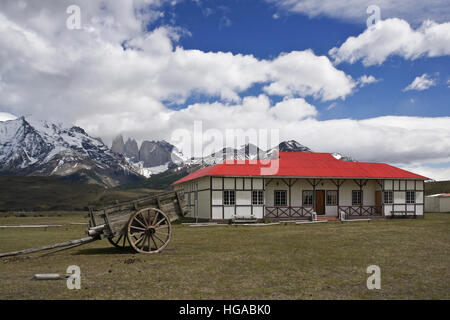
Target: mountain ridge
[{"x": 40, "y": 148}]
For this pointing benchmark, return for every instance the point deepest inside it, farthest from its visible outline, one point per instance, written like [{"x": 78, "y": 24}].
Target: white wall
[
  {"x": 444, "y": 204},
  {"x": 243, "y": 190},
  {"x": 244, "y": 207}
]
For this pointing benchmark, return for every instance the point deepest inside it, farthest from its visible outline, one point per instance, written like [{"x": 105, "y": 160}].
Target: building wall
[
  {"x": 197, "y": 195},
  {"x": 444, "y": 204},
  {"x": 399, "y": 188},
  {"x": 204, "y": 196},
  {"x": 243, "y": 206},
  {"x": 432, "y": 204},
  {"x": 345, "y": 192}
]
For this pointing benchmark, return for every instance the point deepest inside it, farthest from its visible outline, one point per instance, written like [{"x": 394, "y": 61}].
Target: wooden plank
[
  {"x": 32, "y": 226},
  {"x": 53, "y": 246}
]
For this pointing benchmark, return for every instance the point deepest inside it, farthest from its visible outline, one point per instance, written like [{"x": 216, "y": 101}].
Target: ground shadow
[{"x": 105, "y": 250}]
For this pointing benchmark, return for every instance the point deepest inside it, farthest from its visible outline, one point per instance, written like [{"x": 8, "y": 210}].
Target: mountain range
[
  {"x": 40, "y": 148},
  {"x": 32, "y": 147}
]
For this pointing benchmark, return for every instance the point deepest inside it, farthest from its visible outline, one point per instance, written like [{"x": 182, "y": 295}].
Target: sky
[{"x": 332, "y": 75}]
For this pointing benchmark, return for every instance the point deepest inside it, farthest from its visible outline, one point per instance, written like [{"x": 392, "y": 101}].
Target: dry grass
[{"x": 323, "y": 261}]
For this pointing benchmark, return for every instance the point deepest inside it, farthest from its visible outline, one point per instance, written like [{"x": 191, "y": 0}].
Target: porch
[
  {"x": 305, "y": 213},
  {"x": 298, "y": 199}
]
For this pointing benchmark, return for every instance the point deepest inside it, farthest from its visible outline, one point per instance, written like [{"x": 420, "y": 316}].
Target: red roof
[{"x": 304, "y": 164}]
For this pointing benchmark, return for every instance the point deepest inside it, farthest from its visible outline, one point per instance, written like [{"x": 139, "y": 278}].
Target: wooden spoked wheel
[
  {"x": 120, "y": 241},
  {"x": 149, "y": 230}
]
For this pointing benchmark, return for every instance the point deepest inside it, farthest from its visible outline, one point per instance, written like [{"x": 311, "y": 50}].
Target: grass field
[{"x": 322, "y": 261}]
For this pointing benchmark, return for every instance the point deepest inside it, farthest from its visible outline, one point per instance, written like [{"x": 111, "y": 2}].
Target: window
[
  {"x": 388, "y": 197},
  {"x": 410, "y": 197},
  {"x": 229, "y": 197},
  {"x": 257, "y": 197},
  {"x": 307, "y": 198},
  {"x": 331, "y": 198},
  {"x": 356, "y": 197},
  {"x": 280, "y": 198}
]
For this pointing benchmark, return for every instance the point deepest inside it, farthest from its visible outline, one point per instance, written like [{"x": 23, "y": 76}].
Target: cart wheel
[
  {"x": 120, "y": 241},
  {"x": 149, "y": 230}
]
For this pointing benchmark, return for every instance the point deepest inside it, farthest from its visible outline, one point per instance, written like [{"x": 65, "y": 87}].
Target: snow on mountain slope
[{"x": 35, "y": 147}]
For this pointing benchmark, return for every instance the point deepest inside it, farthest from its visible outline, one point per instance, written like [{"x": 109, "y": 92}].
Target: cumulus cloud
[
  {"x": 305, "y": 74},
  {"x": 112, "y": 61},
  {"x": 421, "y": 83},
  {"x": 365, "y": 79},
  {"x": 293, "y": 109},
  {"x": 394, "y": 37},
  {"x": 392, "y": 139},
  {"x": 355, "y": 10},
  {"x": 114, "y": 77},
  {"x": 439, "y": 174}
]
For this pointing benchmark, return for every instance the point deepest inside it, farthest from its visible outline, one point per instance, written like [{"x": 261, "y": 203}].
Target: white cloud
[
  {"x": 439, "y": 174},
  {"x": 332, "y": 106},
  {"x": 86, "y": 75},
  {"x": 293, "y": 109},
  {"x": 392, "y": 139},
  {"x": 305, "y": 74},
  {"x": 87, "y": 78},
  {"x": 355, "y": 10},
  {"x": 365, "y": 79},
  {"x": 421, "y": 83},
  {"x": 394, "y": 37}
]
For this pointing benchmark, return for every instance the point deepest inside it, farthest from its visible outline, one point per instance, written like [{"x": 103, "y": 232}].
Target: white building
[
  {"x": 299, "y": 183},
  {"x": 437, "y": 203}
]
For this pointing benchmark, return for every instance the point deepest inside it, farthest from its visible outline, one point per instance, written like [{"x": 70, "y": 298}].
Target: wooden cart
[{"x": 144, "y": 224}]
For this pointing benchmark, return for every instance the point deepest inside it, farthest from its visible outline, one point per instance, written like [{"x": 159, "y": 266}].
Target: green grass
[
  {"x": 322, "y": 261},
  {"x": 19, "y": 194}
]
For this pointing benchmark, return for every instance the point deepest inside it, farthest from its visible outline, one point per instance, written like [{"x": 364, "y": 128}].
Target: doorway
[
  {"x": 378, "y": 203},
  {"x": 320, "y": 202}
]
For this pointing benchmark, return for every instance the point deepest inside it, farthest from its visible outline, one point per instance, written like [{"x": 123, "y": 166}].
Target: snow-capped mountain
[
  {"x": 248, "y": 152},
  {"x": 35, "y": 147}
]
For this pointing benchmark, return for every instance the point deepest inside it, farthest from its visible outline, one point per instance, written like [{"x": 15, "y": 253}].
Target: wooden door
[
  {"x": 320, "y": 201},
  {"x": 378, "y": 203}
]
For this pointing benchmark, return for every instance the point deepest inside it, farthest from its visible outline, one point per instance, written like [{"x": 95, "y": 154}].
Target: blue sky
[
  {"x": 249, "y": 27},
  {"x": 313, "y": 70}
]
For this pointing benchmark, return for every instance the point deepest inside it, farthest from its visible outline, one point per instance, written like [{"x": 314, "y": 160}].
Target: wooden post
[{"x": 289, "y": 188}]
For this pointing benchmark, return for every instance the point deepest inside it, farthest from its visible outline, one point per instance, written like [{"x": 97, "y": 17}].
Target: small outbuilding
[{"x": 437, "y": 203}]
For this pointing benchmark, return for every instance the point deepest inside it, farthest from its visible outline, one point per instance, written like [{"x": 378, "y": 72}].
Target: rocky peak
[
  {"x": 117, "y": 145},
  {"x": 155, "y": 153},
  {"x": 131, "y": 150},
  {"x": 292, "y": 146}
]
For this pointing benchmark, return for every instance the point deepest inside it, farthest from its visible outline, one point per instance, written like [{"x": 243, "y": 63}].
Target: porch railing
[
  {"x": 361, "y": 211},
  {"x": 288, "y": 212}
]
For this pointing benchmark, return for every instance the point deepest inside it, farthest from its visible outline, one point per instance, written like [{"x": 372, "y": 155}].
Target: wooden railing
[
  {"x": 361, "y": 211},
  {"x": 288, "y": 212}
]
